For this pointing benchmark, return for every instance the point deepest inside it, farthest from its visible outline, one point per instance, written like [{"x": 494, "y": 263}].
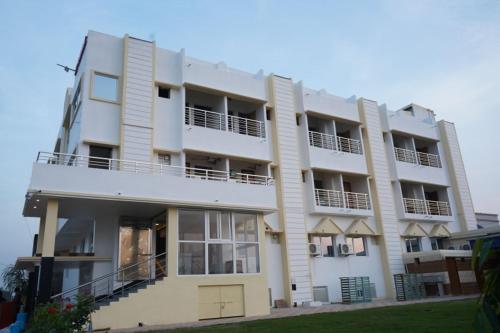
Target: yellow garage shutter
[{"x": 220, "y": 301}]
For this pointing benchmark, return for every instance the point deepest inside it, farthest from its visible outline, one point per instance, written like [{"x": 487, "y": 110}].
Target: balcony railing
[
  {"x": 216, "y": 120},
  {"x": 332, "y": 142},
  {"x": 410, "y": 156},
  {"x": 328, "y": 198},
  {"x": 150, "y": 168},
  {"x": 356, "y": 200},
  {"x": 204, "y": 118},
  {"x": 333, "y": 198},
  {"x": 426, "y": 207},
  {"x": 246, "y": 126}
]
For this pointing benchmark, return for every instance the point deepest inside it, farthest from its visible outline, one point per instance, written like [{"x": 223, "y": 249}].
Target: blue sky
[{"x": 444, "y": 55}]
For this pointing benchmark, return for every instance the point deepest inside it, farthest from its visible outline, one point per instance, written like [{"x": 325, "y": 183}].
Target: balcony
[
  {"x": 221, "y": 125},
  {"x": 351, "y": 200},
  {"x": 328, "y": 141},
  {"x": 426, "y": 207},
  {"x": 95, "y": 177},
  {"x": 216, "y": 120},
  {"x": 345, "y": 154},
  {"x": 419, "y": 158},
  {"x": 339, "y": 194}
]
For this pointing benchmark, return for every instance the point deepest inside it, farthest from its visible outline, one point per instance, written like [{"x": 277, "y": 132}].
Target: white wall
[{"x": 274, "y": 267}]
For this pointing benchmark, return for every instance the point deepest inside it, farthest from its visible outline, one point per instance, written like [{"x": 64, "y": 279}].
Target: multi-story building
[{"x": 182, "y": 190}]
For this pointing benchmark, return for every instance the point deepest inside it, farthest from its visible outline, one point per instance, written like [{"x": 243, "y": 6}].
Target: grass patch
[{"x": 453, "y": 316}]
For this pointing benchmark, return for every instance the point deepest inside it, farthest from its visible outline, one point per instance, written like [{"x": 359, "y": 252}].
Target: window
[
  {"x": 163, "y": 92},
  {"x": 437, "y": 243},
  {"x": 226, "y": 242},
  {"x": 326, "y": 243},
  {"x": 358, "y": 245},
  {"x": 268, "y": 114},
  {"x": 77, "y": 100},
  {"x": 100, "y": 157},
  {"x": 303, "y": 176},
  {"x": 412, "y": 244},
  {"x": 297, "y": 119},
  {"x": 105, "y": 87},
  {"x": 164, "y": 159}
]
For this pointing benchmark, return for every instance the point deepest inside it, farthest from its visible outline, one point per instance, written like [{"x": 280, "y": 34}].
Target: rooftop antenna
[{"x": 66, "y": 68}]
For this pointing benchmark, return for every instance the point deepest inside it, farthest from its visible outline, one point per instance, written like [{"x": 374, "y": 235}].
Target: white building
[{"x": 211, "y": 183}]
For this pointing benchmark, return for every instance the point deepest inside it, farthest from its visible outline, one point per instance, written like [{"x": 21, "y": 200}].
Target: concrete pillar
[
  {"x": 41, "y": 229},
  {"x": 172, "y": 232},
  {"x": 47, "y": 247}
]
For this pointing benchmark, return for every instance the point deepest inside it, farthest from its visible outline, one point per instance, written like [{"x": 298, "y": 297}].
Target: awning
[
  {"x": 439, "y": 230},
  {"x": 326, "y": 226},
  {"x": 415, "y": 230},
  {"x": 359, "y": 227}
]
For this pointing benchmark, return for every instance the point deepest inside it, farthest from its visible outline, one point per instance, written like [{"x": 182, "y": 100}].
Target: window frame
[
  {"x": 101, "y": 99},
  {"x": 365, "y": 245},
  {"x": 419, "y": 244},
  {"x": 208, "y": 240}
]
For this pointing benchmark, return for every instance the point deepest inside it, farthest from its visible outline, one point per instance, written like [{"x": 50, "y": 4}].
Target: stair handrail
[{"x": 105, "y": 276}]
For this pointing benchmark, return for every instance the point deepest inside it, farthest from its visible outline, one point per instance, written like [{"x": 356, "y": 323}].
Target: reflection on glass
[{"x": 135, "y": 248}]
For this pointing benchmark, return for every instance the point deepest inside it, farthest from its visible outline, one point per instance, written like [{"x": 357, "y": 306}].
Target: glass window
[
  {"x": 220, "y": 258},
  {"x": 218, "y": 248},
  {"x": 437, "y": 243},
  {"x": 164, "y": 159},
  {"x": 326, "y": 243},
  {"x": 358, "y": 245},
  {"x": 191, "y": 258},
  {"x": 191, "y": 225},
  {"x": 413, "y": 244},
  {"x": 247, "y": 258},
  {"x": 245, "y": 226},
  {"x": 105, "y": 87}
]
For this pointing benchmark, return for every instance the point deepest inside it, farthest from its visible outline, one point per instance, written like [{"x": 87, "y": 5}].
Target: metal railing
[
  {"x": 332, "y": 142},
  {"x": 410, "y": 156},
  {"x": 329, "y": 198},
  {"x": 322, "y": 140},
  {"x": 405, "y": 155},
  {"x": 347, "y": 145},
  {"x": 246, "y": 126},
  {"x": 116, "y": 284},
  {"x": 426, "y": 207},
  {"x": 216, "y": 120},
  {"x": 150, "y": 168},
  {"x": 204, "y": 118},
  {"x": 357, "y": 200},
  {"x": 441, "y": 208},
  {"x": 427, "y": 159},
  {"x": 333, "y": 198}
]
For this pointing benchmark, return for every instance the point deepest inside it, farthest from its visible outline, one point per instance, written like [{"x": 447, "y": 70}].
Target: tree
[
  {"x": 13, "y": 278},
  {"x": 485, "y": 263}
]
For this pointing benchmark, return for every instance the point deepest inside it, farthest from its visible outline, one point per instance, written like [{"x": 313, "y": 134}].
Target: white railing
[
  {"x": 246, "y": 126},
  {"x": 150, "y": 168},
  {"x": 328, "y": 198},
  {"x": 441, "y": 208},
  {"x": 427, "y": 159},
  {"x": 410, "y": 156},
  {"x": 333, "y": 198},
  {"x": 405, "y": 155},
  {"x": 204, "y": 118},
  {"x": 347, "y": 145},
  {"x": 357, "y": 200},
  {"x": 332, "y": 142},
  {"x": 426, "y": 207},
  {"x": 216, "y": 120},
  {"x": 322, "y": 140}
]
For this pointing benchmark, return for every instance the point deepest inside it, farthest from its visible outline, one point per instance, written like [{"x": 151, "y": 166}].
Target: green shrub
[{"x": 59, "y": 317}]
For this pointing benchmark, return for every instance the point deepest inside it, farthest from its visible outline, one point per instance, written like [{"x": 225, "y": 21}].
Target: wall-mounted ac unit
[
  {"x": 345, "y": 249},
  {"x": 314, "y": 249}
]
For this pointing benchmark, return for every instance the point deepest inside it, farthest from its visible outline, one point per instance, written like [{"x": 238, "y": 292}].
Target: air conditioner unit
[
  {"x": 345, "y": 249},
  {"x": 314, "y": 249}
]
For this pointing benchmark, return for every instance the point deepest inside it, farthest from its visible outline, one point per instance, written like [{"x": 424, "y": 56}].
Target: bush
[{"x": 59, "y": 317}]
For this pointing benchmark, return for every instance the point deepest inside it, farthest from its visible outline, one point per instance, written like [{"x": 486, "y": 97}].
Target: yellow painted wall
[{"x": 175, "y": 298}]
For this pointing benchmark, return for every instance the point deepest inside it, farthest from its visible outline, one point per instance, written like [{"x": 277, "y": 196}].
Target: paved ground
[{"x": 289, "y": 312}]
